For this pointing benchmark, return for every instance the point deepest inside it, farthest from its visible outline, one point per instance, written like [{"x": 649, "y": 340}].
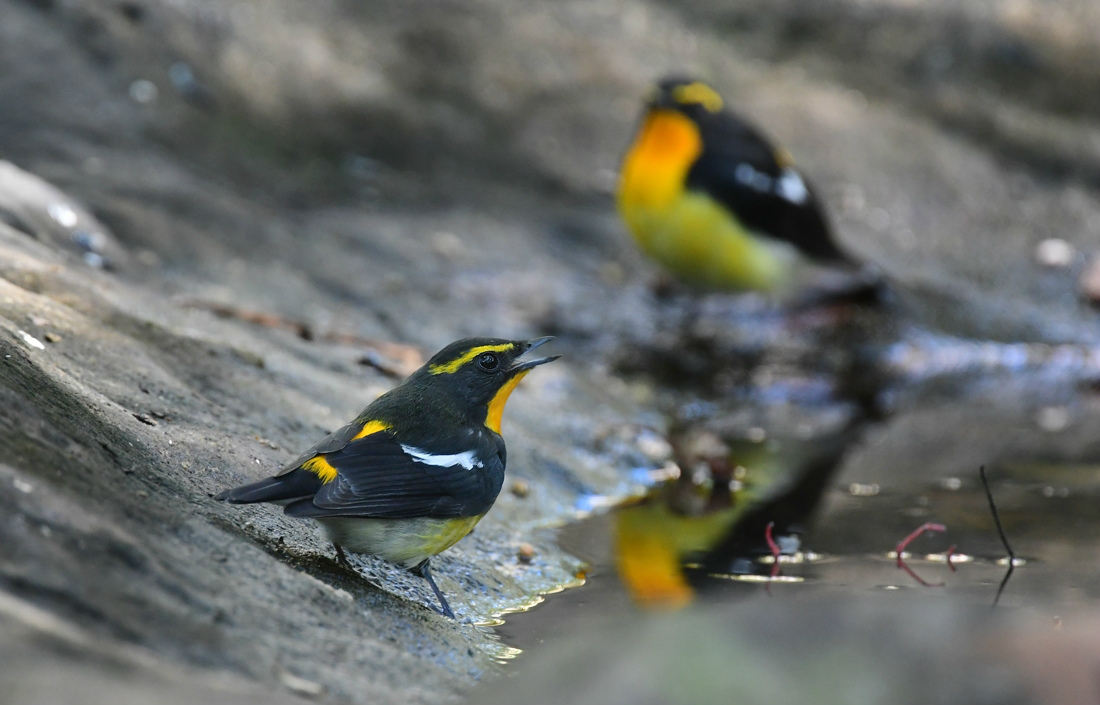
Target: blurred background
[{"x": 226, "y": 226}]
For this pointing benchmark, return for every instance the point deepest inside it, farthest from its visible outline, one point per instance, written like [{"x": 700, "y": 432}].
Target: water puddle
[
  {"x": 770, "y": 496},
  {"x": 643, "y": 556}
]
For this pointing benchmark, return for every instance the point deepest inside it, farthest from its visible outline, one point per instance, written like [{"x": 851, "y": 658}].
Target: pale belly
[
  {"x": 406, "y": 542},
  {"x": 698, "y": 241}
]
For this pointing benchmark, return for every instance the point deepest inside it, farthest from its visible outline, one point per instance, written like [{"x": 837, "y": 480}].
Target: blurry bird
[
  {"x": 706, "y": 195},
  {"x": 418, "y": 468}
]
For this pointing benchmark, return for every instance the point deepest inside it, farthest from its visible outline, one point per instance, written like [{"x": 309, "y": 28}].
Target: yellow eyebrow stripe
[
  {"x": 453, "y": 366},
  {"x": 699, "y": 93},
  {"x": 371, "y": 427}
]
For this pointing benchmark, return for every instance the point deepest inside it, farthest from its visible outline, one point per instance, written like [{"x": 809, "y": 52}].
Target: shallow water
[
  {"x": 841, "y": 502},
  {"x": 850, "y": 551}
]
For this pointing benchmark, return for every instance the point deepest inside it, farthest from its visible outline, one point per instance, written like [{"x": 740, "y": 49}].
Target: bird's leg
[
  {"x": 422, "y": 570},
  {"x": 341, "y": 557}
]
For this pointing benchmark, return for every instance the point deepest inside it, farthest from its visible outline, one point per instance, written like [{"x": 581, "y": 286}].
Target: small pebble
[
  {"x": 301, "y": 686},
  {"x": 1055, "y": 252},
  {"x": 52, "y": 338},
  {"x": 266, "y": 442},
  {"x": 1053, "y": 419},
  {"x": 525, "y": 553},
  {"x": 448, "y": 246},
  {"x": 857, "y": 489},
  {"x": 145, "y": 419},
  {"x": 653, "y": 447},
  {"x": 521, "y": 489},
  {"x": 700, "y": 443},
  {"x": 30, "y": 340},
  {"x": 63, "y": 214},
  {"x": 143, "y": 91}
]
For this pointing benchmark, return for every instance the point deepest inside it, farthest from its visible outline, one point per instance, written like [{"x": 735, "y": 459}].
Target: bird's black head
[
  {"x": 685, "y": 95},
  {"x": 479, "y": 373}
]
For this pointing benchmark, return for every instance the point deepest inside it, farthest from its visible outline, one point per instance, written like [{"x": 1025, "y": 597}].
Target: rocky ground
[{"x": 226, "y": 226}]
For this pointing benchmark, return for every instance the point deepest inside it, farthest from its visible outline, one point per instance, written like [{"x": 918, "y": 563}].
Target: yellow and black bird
[
  {"x": 706, "y": 195},
  {"x": 418, "y": 468}
]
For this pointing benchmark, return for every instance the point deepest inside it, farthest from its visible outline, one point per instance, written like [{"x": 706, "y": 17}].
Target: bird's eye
[{"x": 488, "y": 362}]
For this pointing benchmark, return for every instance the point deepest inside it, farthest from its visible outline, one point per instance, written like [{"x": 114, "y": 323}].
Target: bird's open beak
[{"x": 521, "y": 365}]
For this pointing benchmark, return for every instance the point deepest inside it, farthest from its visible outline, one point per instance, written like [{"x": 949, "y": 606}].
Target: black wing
[
  {"x": 378, "y": 477},
  {"x": 329, "y": 444},
  {"x": 740, "y": 169}
]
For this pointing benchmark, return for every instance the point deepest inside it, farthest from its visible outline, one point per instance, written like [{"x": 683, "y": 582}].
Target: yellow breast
[{"x": 403, "y": 541}]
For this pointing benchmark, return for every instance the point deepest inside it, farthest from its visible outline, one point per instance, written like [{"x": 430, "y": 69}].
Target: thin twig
[
  {"x": 259, "y": 318},
  {"x": 392, "y": 359},
  {"x": 774, "y": 548},
  {"x": 912, "y": 574},
  {"x": 904, "y": 543},
  {"x": 1001, "y": 533}
]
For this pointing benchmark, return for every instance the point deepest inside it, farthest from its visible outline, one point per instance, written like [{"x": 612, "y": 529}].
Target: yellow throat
[
  {"x": 495, "y": 412},
  {"x": 656, "y": 167}
]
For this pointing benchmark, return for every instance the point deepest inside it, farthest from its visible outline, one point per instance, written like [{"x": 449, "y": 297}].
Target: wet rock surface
[{"x": 364, "y": 175}]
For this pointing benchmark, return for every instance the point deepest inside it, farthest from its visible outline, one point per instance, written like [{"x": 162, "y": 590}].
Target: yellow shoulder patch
[
  {"x": 321, "y": 468},
  {"x": 699, "y": 93},
  {"x": 370, "y": 428},
  {"x": 783, "y": 158},
  {"x": 454, "y": 365}
]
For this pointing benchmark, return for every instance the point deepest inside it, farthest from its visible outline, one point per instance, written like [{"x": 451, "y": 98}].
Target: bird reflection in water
[{"x": 713, "y": 518}]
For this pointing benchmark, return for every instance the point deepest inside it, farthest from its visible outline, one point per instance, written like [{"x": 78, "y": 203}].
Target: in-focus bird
[
  {"x": 707, "y": 195},
  {"x": 418, "y": 468}
]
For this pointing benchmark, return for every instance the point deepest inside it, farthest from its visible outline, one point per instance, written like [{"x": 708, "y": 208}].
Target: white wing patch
[
  {"x": 791, "y": 187},
  {"x": 467, "y": 459},
  {"x": 756, "y": 180}
]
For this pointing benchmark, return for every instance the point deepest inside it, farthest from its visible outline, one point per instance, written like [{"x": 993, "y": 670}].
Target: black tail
[{"x": 293, "y": 485}]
